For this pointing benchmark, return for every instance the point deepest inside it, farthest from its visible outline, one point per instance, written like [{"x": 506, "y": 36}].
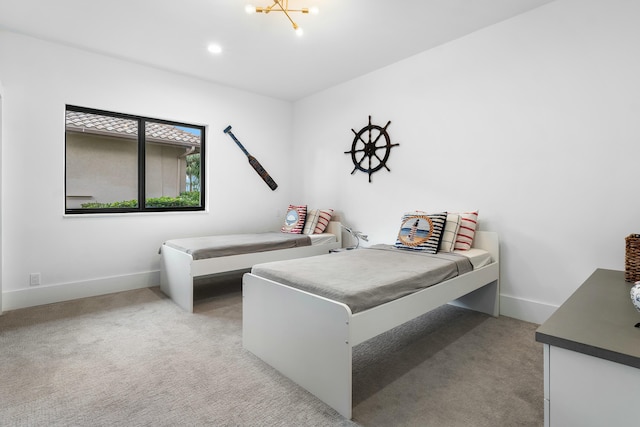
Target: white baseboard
[
  {"x": 527, "y": 310},
  {"x": 518, "y": 308},
  {"x": 39, "y": 295}
]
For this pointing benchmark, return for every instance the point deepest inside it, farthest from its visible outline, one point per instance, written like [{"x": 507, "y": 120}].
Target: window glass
[
  {"x": 172, "y": 157},
  {"x": 104, "y": 171}
]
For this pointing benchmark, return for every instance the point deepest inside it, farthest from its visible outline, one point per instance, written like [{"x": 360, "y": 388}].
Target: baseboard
[
  {"x": 518, "y": 308},
  {"x": 39, "y": 295},
  {"x": 527, "y": 310}
]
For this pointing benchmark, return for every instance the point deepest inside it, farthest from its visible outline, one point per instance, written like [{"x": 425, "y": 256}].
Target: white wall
[
  {"x": 1, "y": 121},
  {"x": 86, "y": 255},
  {"x": 533, "y": 121}
]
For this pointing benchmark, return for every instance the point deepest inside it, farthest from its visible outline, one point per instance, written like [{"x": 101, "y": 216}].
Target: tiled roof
[{"x": 126, "y": 128}]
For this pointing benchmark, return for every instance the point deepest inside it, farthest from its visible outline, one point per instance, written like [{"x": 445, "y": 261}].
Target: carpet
[{"x": 136, "y": 359}]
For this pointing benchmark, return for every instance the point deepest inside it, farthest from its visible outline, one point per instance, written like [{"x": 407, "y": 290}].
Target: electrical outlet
[{"x": 34, "y": 279}]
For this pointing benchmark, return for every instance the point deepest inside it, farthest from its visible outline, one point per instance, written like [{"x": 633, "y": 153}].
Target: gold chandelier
[{"x": 282, "y": 6}]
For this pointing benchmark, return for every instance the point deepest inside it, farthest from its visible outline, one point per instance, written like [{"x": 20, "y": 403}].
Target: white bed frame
[
  {"x": 309, "y": 338},
  {"x": 178, "y": 269}
]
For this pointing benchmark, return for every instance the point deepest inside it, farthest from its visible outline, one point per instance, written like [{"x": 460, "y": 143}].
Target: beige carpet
[{"x": 136, "y": 359}]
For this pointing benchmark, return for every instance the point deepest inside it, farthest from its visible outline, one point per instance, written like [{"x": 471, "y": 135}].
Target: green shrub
[
  {"x": 122, "y": 204},
  {"x": 185, "y": 199}
]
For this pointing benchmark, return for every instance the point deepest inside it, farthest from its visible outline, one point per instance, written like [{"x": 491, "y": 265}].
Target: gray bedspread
[
  {"x": 366, "y": 277},
  {"x": 237, "y": 244}
]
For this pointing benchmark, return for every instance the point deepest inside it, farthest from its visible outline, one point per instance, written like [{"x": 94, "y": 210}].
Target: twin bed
[
  {"x": 308, "y": 335},
  {"x": 182, "y": 260},
  {"x": 303, "y": 314}
]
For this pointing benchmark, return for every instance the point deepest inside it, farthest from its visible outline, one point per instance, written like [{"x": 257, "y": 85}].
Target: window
[{"x": 122, "y": 163}]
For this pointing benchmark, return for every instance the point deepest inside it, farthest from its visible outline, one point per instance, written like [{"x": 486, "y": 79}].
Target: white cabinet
[
  {"x": 592, "y": 356},
  {"x": 588, "y": 391}
]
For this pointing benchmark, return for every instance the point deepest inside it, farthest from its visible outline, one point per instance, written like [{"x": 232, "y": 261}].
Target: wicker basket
[{"x": 632, "y": 258}]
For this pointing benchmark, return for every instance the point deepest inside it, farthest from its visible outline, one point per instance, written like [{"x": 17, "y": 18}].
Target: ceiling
[{"x": 261, "y": 53}]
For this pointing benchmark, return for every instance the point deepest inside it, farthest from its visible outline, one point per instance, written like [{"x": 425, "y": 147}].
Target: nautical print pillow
[
  {"x": 450, "y": 232},
  {"x": 294, "y": 219},
  {"x": 420, "y": 231},
  {"x": 467, "y": 231},
  {"x": 324, "y": 216}
]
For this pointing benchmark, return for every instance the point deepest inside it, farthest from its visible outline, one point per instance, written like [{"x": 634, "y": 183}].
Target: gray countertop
[{"x": 598, "y": 319}]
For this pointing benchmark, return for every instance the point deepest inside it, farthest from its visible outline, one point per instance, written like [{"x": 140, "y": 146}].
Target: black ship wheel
[{"x": 366, "y": 144}]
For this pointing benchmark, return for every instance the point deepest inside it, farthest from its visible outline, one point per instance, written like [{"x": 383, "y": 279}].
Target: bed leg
[
  {"x": 175, "y": 277},
  {"x": 303, "y": 336},
  {"x": 485, "y": 300}
]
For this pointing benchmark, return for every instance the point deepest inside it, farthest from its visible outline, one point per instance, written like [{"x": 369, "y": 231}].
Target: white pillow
[
  {"x": 467, "y": 231},
  {"x": 450, "y": 232},
  {"x": 324, "y": 216},
  {"x": 312, "y": 220}
]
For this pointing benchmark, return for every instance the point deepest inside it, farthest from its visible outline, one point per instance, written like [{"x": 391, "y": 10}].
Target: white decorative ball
[{"x": 635, "y": 295}]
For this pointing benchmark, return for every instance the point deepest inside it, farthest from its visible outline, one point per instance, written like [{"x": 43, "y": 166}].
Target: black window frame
[{"x": 142, "y": 120}]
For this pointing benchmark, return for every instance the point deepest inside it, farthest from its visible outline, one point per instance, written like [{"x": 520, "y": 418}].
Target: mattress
[
  {"x": 321, "y": 239},
  {"x": 367, "y": 277},
  {"x": 478, "y": 257},
  {"x": 238, "y": 244}
]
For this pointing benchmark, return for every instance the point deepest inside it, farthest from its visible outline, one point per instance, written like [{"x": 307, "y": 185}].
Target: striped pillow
[
  {"x": 324, "y": 216},
  {"x": 467, "y": 231},
  {"x": 294, "y": 219},
  {"x": 420, "y": 231},
  {"x": 450, "y": 232},
  {"x": 311, "y": 222}
]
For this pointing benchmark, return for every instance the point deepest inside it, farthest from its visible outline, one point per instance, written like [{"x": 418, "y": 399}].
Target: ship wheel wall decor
[{"x": 367, "y": 148}]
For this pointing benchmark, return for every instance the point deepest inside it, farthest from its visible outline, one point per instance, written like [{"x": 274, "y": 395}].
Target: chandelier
[{"x": 282, "y": 6}]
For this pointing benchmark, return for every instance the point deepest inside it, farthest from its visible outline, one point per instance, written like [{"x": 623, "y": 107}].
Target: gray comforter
[
  {"x": 237, "y": 244},
  {"x": 366, "y": 277}
]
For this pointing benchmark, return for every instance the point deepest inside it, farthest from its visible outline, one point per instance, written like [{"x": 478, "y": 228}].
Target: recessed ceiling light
[{"x": 214, "y": 48}]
